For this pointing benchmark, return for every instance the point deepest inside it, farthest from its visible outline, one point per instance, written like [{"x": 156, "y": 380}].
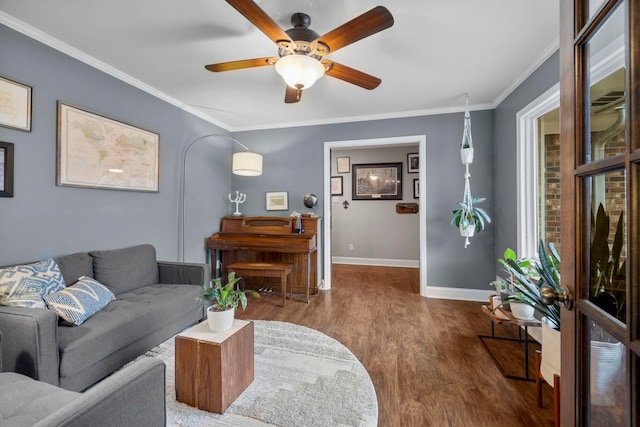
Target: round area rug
[{"x": 302, "y": 378}]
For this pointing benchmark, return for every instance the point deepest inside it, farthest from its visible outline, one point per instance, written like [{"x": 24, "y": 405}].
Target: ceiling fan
[{"x": 301, "y": 51}]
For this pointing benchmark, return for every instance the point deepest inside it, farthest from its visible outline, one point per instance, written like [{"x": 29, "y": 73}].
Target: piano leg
[{"x": 307, "y": 266}]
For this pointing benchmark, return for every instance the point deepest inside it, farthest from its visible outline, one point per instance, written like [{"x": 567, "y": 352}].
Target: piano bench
[{"x": 263, "y": 269}]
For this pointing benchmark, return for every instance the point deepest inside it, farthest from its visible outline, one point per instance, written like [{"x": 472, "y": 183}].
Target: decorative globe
[{"x": 310, "y": 200}]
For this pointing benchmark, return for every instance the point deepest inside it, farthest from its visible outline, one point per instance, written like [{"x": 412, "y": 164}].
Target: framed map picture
[
  {"x": 98, "y": 152},
  {"x": 15, "y": 105}
]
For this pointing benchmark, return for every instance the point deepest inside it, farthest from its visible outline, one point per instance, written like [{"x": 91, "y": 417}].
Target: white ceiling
[{"x": 436, "y": 51}]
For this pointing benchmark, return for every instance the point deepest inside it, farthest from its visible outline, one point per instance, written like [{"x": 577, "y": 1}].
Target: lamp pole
[{"x": 258, "y": 171}]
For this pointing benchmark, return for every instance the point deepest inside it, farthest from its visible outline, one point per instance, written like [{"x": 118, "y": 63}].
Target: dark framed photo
[
  {"x": 6, "y": 169},
  {"x": 343, "y": 164},
  {"x": 377, "y": 181},
  {"x": 413, "y": 163},
  {"x": 416, "y": 189},
  {"x": 336, "y": 186}
]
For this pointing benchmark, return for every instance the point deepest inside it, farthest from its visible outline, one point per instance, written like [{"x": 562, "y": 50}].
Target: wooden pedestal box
[{"x": 213, "y": 368}]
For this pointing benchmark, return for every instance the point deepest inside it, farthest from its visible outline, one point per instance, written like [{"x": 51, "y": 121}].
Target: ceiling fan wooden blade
[
  {"x": 260, "y": 19},
  {"x": 365, "y": 25},
  {"x": 238, "y": 65},
  {"x": 351, "y": 75},
  {"x": 292, "y": 95}
]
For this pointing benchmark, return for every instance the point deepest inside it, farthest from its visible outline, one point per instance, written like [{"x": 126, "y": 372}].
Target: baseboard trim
[
  {"x": 462, "y": 294},
  {"x": 383, "y": 262}
]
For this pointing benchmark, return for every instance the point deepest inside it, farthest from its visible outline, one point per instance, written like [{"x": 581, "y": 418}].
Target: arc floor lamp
[{"x": 244, "y": 163}]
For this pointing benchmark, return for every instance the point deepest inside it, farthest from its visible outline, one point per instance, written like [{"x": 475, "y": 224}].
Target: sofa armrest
[
  {"x": 30, "y": 343},
  {"x": 184, "y": 273},
  {"x": 133, "y": 396}
]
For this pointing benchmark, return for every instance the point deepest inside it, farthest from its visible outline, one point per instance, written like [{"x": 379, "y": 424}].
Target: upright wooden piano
[{"x": 271, "y": 239}]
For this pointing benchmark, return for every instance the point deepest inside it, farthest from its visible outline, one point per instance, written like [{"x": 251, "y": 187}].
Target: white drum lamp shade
[{"x": 246, "y": 163}]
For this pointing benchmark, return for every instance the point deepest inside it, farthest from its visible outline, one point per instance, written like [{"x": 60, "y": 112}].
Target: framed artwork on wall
[
  {"x": 97, "y": 152},
  {"x": 6, "y": 169},
  {"x": 377, "y": 181},
  {"x": 413, "y": 163},
  {"x": 343, "y": 164},
  {"x": 277, "y": 201},
  {"x": 15, "y": 105},
  {"x": 416, "y": 189},
  {"x": 336, "y": 186}
]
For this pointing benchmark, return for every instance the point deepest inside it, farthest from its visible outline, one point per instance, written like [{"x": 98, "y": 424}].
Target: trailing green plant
[
  {"x": 608, "y": 267},
  {"x": 224, "y": 297},
  {"x": 469, "y": 213},
  {"x": 527, "y": 282}
]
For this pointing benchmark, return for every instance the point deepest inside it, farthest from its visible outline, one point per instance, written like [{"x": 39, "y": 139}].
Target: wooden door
[{"x": 600, "y": 237}]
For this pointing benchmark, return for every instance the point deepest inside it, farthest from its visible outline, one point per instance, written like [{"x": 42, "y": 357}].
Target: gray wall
[
  {"x": 293, "y": 162},
  {"x": 505, "y": 138},
  {"x": 44, "y": 220},
  {"x": 373, "y": 226}
]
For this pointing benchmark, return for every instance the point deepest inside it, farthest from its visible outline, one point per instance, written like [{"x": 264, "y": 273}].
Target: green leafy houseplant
[
  {"x": 469, "y": 214},
  {"x": 608, "y": 266},
  {"x": 527, "y": 282},
  {"x": 225, "y": 297}
]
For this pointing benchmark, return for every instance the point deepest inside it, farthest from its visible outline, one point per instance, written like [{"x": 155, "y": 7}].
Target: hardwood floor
[{"x": 424, "y": 356}]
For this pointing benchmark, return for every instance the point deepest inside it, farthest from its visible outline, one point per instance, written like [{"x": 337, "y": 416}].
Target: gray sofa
[
  {"x": 154, "y": 301},
  {"x": 134, "y": 395}
]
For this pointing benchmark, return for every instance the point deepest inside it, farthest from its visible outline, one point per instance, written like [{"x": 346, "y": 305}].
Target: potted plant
[
  {"x": 469, "y": 218},
  {"x": 224, "y": 301},
  {"x": 466, "y": 153},
  {"x": 527, "y": 282}
]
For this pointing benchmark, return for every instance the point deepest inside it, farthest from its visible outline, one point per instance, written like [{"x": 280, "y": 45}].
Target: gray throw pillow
[{"x": 123, "y": 270}]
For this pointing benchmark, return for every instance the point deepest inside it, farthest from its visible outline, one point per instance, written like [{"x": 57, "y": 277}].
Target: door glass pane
[
  {"x": 593, "y": 6},
  {"x": 605, "y": 107},
  {"x": 607, "y": 378},
  {"x": 608, "y": 246}
]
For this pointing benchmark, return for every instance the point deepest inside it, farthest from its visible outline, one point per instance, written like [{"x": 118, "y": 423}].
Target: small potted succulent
[{"x": 224, "y": 301}]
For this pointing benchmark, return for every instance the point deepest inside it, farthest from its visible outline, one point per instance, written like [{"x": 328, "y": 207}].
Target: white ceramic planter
[
  {"x": 606, "y": 359},
  {"x": 521, "y": 311},
  {"x": 469, "y": 231},
  {"x": 220, "y": 321},
  {"x": 550, "y": 361},
  {"x": 466, "y": 156}
]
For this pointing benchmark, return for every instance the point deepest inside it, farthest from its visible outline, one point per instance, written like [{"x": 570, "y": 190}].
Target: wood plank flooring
[{"x": 424, "y": 356}]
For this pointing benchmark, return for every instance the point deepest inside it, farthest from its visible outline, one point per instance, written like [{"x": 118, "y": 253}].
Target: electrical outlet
[{"x": 350, "y": 246}]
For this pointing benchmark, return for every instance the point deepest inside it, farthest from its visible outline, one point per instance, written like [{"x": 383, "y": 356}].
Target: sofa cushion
[
  {"x": 26, "y": 401},
  {"x": 123, "y": 270},
  {"x": 78, "y": 302},
  {"x": 26, "y": 285},
  {"x": 132, "y": 316},
  {"x": 75, "y": 266}
]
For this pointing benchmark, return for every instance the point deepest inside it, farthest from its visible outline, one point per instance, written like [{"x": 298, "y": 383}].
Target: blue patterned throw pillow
[
  {"x": 78, "y": 302},
  {"x": 26, "y": 285}
]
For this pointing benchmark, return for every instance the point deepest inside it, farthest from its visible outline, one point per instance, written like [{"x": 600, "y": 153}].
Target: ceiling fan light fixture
[{"x": 299, "y": 71}]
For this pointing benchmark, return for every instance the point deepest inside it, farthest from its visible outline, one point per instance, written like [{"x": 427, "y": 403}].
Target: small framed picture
[
  {"x": 336, "y": 186},
  {"x": 413, "y": 163},
  {"x": 377, "y": 181},
  {"x": 277, "y": 201},
  {"x": 15, "y": 105},
  {"x": 343, "y": 164},
  {"x": 416, "y": 189},
  {"x": 6, "y": 169}
]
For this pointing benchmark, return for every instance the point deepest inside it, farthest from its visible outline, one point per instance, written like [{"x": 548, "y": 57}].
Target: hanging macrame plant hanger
[{"x": 466, "y": 156}]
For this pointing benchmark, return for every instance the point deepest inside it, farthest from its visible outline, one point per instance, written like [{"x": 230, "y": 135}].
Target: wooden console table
[
  {"x": 213, "y": 368},
  {"x": 505, "y": 317}
]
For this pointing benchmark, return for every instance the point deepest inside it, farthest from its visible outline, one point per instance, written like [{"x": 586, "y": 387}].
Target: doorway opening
[{"x": 419, "y": 140}]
